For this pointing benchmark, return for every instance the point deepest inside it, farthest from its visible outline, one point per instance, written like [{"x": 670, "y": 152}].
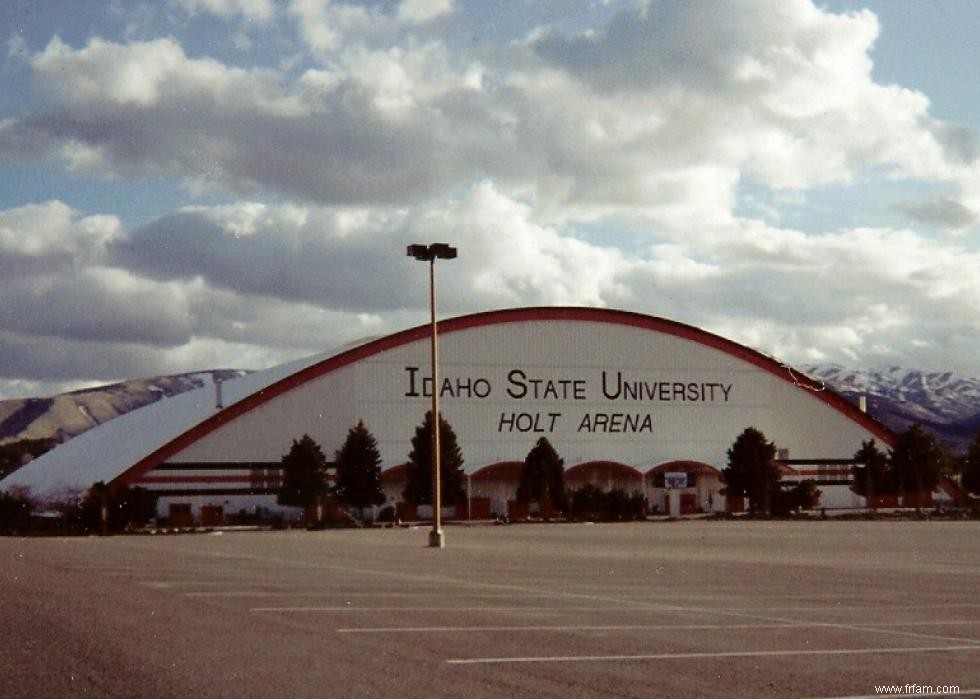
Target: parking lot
[{"x": 688, "y": 608}]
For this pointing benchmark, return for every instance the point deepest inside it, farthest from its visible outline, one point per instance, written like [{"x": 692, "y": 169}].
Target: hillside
[{"x": 68, "y": 414}]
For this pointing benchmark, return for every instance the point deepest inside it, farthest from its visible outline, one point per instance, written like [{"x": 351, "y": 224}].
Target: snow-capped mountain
[{"x": 942, "y": 402}]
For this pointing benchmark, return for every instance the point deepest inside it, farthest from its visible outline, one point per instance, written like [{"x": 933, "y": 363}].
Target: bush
[
  {"x": 588, "y": 502},
  {"x": 802, "y": 496},
  {"x": 15, "y": 512},
  {"x": 125, "y": 508},
  {"x": 592, "y": 503}
]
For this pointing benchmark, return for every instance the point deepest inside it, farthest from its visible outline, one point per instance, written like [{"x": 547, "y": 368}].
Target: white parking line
[
  {"x": 567, "y": 628},
  {"x": 751, "y": 614},
  {"x": 845, "y": 607},
  {"x": 351, "y": 608},
  {"x": 631, "y": 627},
  {"x": 703, "y": 656},
  {"x": 335, "y": 593}
]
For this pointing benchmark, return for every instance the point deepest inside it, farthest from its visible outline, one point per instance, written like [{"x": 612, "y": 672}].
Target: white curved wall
[{"x": 695, "y": 400}]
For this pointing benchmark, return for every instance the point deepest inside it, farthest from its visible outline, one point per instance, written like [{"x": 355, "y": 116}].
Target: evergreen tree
[
  {"x": 419, "y": 473},
  {"x": 543, "y": 476},
  {"x": 135, "y": 506},
  {"x": 870, "y": 470},
  {"x": 359, "y": 469},
  {"x": 752, "y": 470},
  {"x": 970, "y": 465},
  {"x": 304, "y": 474},
  {"x": 917, "y": 460}
]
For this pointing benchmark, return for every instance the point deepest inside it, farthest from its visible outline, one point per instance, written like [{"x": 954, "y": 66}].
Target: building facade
[{"x": 621, "y": 396}]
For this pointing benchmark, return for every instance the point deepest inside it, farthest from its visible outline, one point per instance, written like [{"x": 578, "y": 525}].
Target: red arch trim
[
  {"x": 516, "y": 315},
  {"x": 612, "y": 468},
  {"x": 501, "y": 470}
]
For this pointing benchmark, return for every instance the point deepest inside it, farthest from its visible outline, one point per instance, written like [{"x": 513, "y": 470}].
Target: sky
[{"x": 194, "y": 184}]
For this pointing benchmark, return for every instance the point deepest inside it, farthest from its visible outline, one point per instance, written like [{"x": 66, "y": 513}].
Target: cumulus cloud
[
  {"x": 354, "y": 259},
  {"x": 80, "y": 299},
  {"x": 98, "y": 305},
  {"x": 52, "y": 237},
  {"x": 637, "y": 115},
  {"x": 575, "y": 163},
  {"x": 510, "y": 259},
  {"x": 341, "y": 259},
  {"x": 146, "y": 108},
  {"x": 778, "y": 90}
]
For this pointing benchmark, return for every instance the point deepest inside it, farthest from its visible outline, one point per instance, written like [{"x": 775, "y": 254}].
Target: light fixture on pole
[{"x": 430, "y": 253}]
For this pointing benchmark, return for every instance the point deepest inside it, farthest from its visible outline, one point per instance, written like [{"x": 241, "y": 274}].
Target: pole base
[{"x": 437, "y": 539}]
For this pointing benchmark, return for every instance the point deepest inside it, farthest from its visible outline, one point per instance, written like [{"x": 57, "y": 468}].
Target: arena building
[{"x": 626, "y": 399}]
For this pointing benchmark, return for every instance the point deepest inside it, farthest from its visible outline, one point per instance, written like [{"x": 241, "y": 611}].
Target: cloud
[
  {"x": 777, "y": 90},
  {"x": 330, "y": 28},
  {"x": 106, "y": 77},
  {"x": 325, "y": 26},
  {"x": 508, "y": 259},
  {"x": 51, "y": 238},
  {"x": 97, "y": 305},
  {"x": 41, "y": 360},
  {"x": 354, "y": 259},
  {"x": 75, "y": 311},
  {"x": 578, "y": 163},
  {"x": 958, "y": 142},
  {"x": 646, "y": 113},
  {"x": 254, "y": 10},
  {"x": 338, "y": 258},
  {"x": 251, "y": 284},
  {"x": 148, "y": 109},
  {"x": 939, "y": 211},
  {"x": 422, "y": 11}
]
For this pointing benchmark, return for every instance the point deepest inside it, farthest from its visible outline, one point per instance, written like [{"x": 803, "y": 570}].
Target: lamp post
[{"x": 430, "y": 253}]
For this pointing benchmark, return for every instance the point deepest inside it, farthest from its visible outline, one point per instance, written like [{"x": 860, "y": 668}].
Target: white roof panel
[{"x": 104, "y": 452}]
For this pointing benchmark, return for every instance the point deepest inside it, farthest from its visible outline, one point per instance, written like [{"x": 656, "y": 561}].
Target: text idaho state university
[{"x": 607, "y": 385}]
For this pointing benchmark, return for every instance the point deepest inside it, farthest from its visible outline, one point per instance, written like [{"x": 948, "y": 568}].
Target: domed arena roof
[{"x": 602, "y": 385}]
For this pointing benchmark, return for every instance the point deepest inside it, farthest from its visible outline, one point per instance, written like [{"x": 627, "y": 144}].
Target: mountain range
[{"x": 943, "y": 403}]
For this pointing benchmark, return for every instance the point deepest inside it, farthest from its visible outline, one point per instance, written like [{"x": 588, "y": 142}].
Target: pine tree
[
  {"x": 971, "y": 466},
  {"x": 419, "y": 487},
  {"x": 359, "y": 469},
  {"x": 870, "y": 471},
  {"x": 917, "y": 461},
  {"x": 304, "y": 474},
  {"x": 543, "y": 476},
  {"x": 752, "y": 470}
]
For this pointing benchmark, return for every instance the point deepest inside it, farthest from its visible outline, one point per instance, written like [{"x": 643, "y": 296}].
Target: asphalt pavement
[{"x": 672, "y": 609}]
